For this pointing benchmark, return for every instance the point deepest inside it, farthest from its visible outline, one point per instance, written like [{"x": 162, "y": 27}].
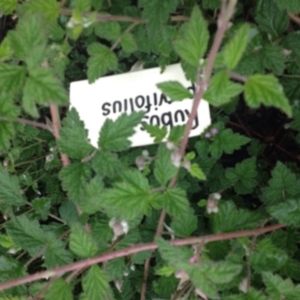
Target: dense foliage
[{"x": 79, "y": 222}]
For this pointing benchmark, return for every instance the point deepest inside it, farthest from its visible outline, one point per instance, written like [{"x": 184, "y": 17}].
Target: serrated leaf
[
  {"x": 227, "y": 142},
  {"x": 46, "y": 89},
  {"x": 185, "y": 226},
  {"x": 175, "y": 202},
  {"x": 273, "y": 58},
  {"x": 128, "y": 43},
  {"x": 74, "y": 178},
  {"x": 164, "y": 169},
  {"x": 108, "y": 30},
  {"x": 220, "y": 272},
  {"x": 282, "y": 185},
  {"x": 221, "y": 90},
  {"x": 277, "y": 287},
  {"x": 107, "y": 164},
  {"x": 42, "y": 207},
  {"x": 10, "y": 190},
  {"x": 7, "y": 129},
  {"x": 211, "y": 4},
  {"x": 235, "y": 48},
  {"x": 29, "y": 35},
  {"x": 292, "y": 6},
  {"x": 50, "y": 9},
  {"x": 114, "y": 134},
  {"x": 192, "y": 45},
  {"x": 157, "y": 13},
  {"x": 8, "y": 6},
  {"x": 229, "y": 218},
  {"x": 83, "y": 5},
  {"x": 115, "y": 268},
  {"x": 95, "y": 284},
  {"x": 156, "y": 132},
  {"x": 12, "y": 78},
  {"x": 26, "y": 234},
  {"x": 56, "y": 254},
  {"x": 176, "y": 133},
  {"x": 175, "y": 90},
  {"x": 197, "y": 172},
  {"x": 91, "y": 203},
  {"x": 267, "y": 257},
  {"x": 81, "y": 242},
  {"x": 243, "y": 176},
  {"x": 130, "y": 197},
  {"x": 101, "y": 61},
  {"x": 287, "y": 212},
  {"x": 251, "y": 294},
  {"x": 270, "y": 18},
  {"x": 59, "y": 290},
  {"x": 73, "y": 136}
]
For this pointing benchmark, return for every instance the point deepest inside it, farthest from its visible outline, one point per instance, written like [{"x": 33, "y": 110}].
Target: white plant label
[{"x": 110, "y": 96}]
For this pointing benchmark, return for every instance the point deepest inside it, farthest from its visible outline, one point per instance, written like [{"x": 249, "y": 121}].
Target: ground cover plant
[{"x": 211, "y": 217}]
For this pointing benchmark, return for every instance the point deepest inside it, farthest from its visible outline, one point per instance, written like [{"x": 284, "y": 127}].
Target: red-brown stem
[
  {"x": 59, "y": 271},
  {"x": 56, "y": 126},
  {"x": 224, "y": 17},
  {"x": 28, "y": 122}
]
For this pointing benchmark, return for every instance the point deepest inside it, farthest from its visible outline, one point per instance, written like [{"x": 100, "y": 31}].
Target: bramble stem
[{"x": 59, "y": 271}]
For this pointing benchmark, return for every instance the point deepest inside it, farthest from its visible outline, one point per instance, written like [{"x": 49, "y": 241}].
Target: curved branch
[{"x": 59, "y": 271}]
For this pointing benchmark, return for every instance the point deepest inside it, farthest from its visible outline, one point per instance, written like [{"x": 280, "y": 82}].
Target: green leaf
[
  {"x": 26, "y": 234},
  {"x": 115, "y": 268},
  {"x": 229, "y": 218},
  {"x": 46, "y": 89},
  {"x": 243, "y": 176},
  {"x": 59, "y": 290},
  {"x": 81, "y": 242},
  {"x": 267, "y": 257},
  {"x": 83, "y": 5},
  {"x": 282, "y": 185},
  {"x": 108, "y": 30},
  {"x": 292, "y": 6},
  {"x": 175, "y": 90},
  {"x": 273, "y": 58},
  {"x": 95, "y": 284},
  {"x": 7, "y": 129},
  {"x": 128, "y": 43},
  {"x": 156, "y": 132},
  {"x": 211, "y": 4},
  {"x": 12, "y": 78},
  {"x": 50, "y": 9},
  {"x": 114, "y": 134},
  {"x": 235, "y": 48},
  {"x": 74, "y": 178},
  {"x": 176, "y": 133},
  {"x": 8, "y": 6},
  {"x": 271, "y": 19},
  {"x": 29, "y": 35},
  {"x": 175, "y": 202},
  {"x": 101, "y": 61},
  {"x": 220, "y": 272},
  {"x": 107, "y": 164},
  {"x": 227, "y": 142},
  {"x": 286, "y": 212},
  {"x": 192, "y": 43},
  {"x": 56, "y": 254},
  {"x": 42, "y": 207},
  {"x": 10, "y": 191},
  {"x": 157, "y": 13},
  {"x": 91, "y": 203},
  {"x": 73, "y": 136},
  {"x": 221, "y": 90},
  {"x": 186, "y": 226},
  {"x": 279, "y": 288},
  {"x": 197, "y": 172},
  {"x": 164, "y": 169},
  {"x": 251, "y": 294},
  {"x": 130, "y": 197}
]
